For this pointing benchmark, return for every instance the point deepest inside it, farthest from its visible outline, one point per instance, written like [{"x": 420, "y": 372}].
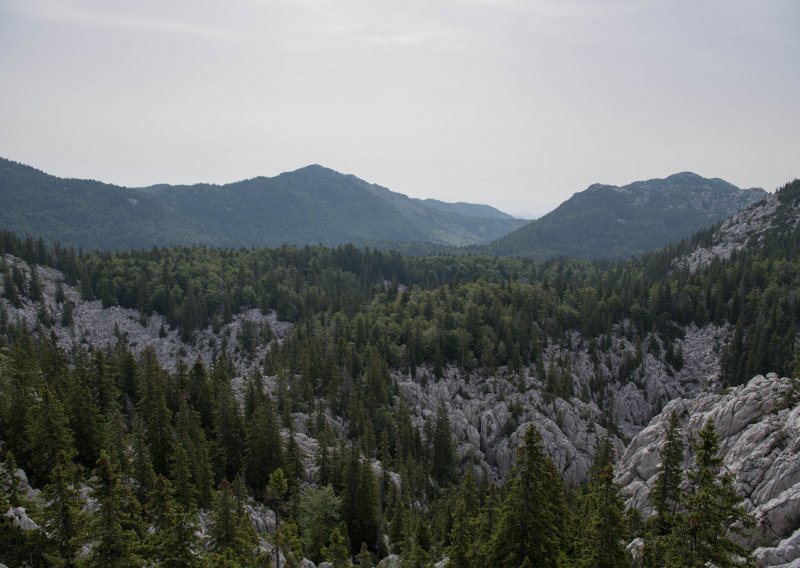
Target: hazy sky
[{"x": 517, "y": 104}]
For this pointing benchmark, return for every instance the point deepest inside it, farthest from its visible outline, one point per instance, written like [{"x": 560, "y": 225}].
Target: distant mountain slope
[
  {"x": 468, "y": 209},
  {"x": 778, "y": 215},
  {"x": 308, "y": 206},
  {"x": 607, "y": 221}
]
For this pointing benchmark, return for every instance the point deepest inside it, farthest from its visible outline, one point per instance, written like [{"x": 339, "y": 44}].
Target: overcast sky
[{"x": 517, "y": 104}]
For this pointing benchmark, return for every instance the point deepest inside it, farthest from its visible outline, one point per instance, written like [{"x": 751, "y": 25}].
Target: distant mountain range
[
  {"x": 607, "y": 221},
  {"x": 312, "y": 205},
  {"x": 317, "y": 205}
]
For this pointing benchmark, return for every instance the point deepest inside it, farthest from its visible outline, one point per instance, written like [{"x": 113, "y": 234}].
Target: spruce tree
[
  {"x": 443, "y": 452},
  {"x": 224, "y": 519},
  {"x": 34, "y": 285},
  {"x": 318, "y": 515},
  {"x": 712, "y": 509},
  {"x": 665, "y": 495},
  {"x": 465, "y": 525},
  {"x": 360, "y": 507},
  {"x": 142, "y": 465},
  {"x": 276, "y": 495},
  {"x": 231, "y": 528},
  {"x": 85, "y": 419},
  {"x": 228, "y": 428},
  {"x": 264, "y": 453},
  {"x": 337, "y": 552},
  {"x": 289, "y": 543},
  {"x": 363, "y": 558},
  {"x": 154, "y": 411},
  {"x": 117, "y": 521},
  {"x": 174, "y": 542},
  {"x": 64, "y": 519},
  {"x": 462, "y": 536},
  {"x": 604, "y": 540},
  {"x": 47, "y": 433},
  {"x": 529, "y": 525}
]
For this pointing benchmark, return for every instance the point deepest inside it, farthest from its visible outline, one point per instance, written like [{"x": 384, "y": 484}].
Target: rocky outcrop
[
  {"x": 489, "y": 414},
  {"x": 759, "y": 433},
  {"x": 96, "y": 326},
  {"x": 736, "y": 233},
  {"x": 391, "y": 561},
  {"x": 20, "y": 517},
  {"x": 744, "y": 230}
]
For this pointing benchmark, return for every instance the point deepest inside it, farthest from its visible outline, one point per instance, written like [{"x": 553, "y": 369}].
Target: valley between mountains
[{"x": 397, "y": 395}]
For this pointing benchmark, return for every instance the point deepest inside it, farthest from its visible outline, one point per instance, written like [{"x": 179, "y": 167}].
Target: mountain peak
[
  {"x": 685, "y": 175},
  {"x": 314, "y": 169}
]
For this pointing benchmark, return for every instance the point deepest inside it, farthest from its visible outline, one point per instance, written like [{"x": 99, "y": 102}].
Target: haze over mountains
[{"x": 317, "y": 205}]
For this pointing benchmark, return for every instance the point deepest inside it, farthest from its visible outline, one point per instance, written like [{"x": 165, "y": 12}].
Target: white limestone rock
[
  {"x": 20, "y": 518},
  {"x": 759, "y": 443}
]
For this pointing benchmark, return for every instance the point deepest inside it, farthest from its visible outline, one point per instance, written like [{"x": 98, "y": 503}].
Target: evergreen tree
[
  {"x": 264, "y": 453},
  {"x": 10, "y": 291},
  {"x": 318, "y": 515},
  {"x": 34, "y": 285},
  {"x": 64, "y": 518},
  {"x": 665, "y": 495},
  {"x": 464, "y": 534},
  {"x": 154, "y": 411},
  {"x": 59, "y": 295},
  {"x": 191, "y": 469},
  {"x": 323, "y": 459},
  {"x": 67, "y": 318},
  {"x": 443, "y": 452},
  {"x": 288, "y": 542},
  {"x": 337, "y": 552},
  {"x": 363, "y": 558},
  {"x": 224, "y": 522},
  {"x": 142, "y": 465},
  {"x": 47, "y": 433},
  {"x": 604, "y": 539},
  {"x": 228, "y": 427},
  {"x": 529, "y": 525},
  {"x": 399, "y": 522},
  {"x": 276, "y": 494},
  {"x": 85, "y": 418},
  {"x": 360, "y": 505},
  {"x": 117, "y": 522},
  {"x": 231, "y": 528},
  {"x": 174, "y": 541},
  {"x": 712, "y": 508}
]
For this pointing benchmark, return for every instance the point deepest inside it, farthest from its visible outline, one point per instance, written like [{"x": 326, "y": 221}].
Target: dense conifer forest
[{"x": 132, "y": 459}]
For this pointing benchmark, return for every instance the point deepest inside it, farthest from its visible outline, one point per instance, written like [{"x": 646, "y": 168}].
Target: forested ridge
[
  {"x": 313, "y": 205},
  {"x": 155, "y": 446}
]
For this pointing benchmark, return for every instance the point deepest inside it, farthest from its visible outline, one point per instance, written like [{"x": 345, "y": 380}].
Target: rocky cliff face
[{"x": 759, "y": 430}]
